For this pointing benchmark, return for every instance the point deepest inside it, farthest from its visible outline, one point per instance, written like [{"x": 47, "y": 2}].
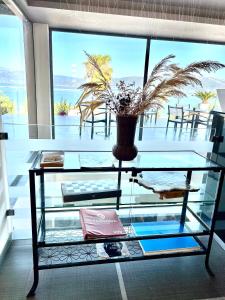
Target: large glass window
[
  {"x": 186, "y": 53},
  {"x": 13, "y": 99},
  {"x": 126, "y": 58}
]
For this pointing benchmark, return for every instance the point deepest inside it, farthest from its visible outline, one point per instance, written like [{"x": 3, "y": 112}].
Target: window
[
  {"x": 13, "y": 100},
  {"x": 186, "y": 53},
  {"x": 126, "y": 58}
]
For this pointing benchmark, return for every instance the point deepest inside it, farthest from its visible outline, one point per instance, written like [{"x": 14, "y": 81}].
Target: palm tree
[
  {"x": 205, "y": 96},
  {"x": 6, "y": 105},
  {"x": 104, "y": 63},
  {"x": 95, "y": 83}
]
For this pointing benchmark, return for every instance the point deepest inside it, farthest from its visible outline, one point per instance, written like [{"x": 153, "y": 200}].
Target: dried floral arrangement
[{"x": 166, "y": 80}]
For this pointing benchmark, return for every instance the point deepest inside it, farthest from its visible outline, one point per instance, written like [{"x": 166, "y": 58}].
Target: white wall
[
  {"x": 221, "y": 96},
  {"x": 42, "y": 76},
  {"x": 30, "y": 78}
]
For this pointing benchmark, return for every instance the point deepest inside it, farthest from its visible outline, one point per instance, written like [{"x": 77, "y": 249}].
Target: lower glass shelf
[{"x": 61, "y": 256}]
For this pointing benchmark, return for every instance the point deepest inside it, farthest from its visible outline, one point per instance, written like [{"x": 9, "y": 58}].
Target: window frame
[{"x": 146, "y": 63}]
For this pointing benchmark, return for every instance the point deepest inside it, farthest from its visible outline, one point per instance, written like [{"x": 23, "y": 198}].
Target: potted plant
[
  {"x": 166, "y": 80},
  {"x": 62, "y": 108},
  {"x": 6, "y": 105},
  {"x": 205, "y": 97}
]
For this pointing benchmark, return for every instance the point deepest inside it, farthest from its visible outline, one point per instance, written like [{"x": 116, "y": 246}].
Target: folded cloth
[{"x": 168, "y": 184}]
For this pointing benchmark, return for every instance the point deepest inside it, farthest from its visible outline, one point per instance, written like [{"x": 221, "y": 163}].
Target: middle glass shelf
[{"x": 57, "y": 227}]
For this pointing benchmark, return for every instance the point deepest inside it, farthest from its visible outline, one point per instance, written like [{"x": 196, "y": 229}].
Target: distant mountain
[
  {"x": 61, "y": 81},
  {"x": 208, "y": 84},
  {"x": 17, "y": 78},
  {"x": 211, "y": 83}
]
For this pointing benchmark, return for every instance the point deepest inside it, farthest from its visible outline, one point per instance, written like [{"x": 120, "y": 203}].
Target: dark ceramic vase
[{"x": 125, "y": 148}]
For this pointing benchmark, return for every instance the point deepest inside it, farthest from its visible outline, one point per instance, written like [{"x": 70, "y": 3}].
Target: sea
[{"x": 17, "y": 94}]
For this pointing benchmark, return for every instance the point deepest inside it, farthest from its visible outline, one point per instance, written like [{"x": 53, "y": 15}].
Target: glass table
[{"x": 156, "y": 229}]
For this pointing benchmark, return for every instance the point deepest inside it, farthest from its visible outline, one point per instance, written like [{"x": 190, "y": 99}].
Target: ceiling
[
  {"x": 186, "y": 10},
  {"x": 188, "y": 19},
  {"x": 4, "y": 10}
]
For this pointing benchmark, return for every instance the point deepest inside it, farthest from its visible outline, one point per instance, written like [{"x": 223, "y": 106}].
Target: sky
[
  {"x": 187, "y": 53},
  {"x": 11, "y": 43},
  {"x": 127, "y": 54}
]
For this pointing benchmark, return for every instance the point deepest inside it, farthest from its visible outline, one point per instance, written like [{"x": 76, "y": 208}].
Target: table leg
[
  {"x": 194, "y": 124},
  {"x": 196, "y": 121},
  {"x": 34, "y": 233},
  {"x": 185, "y": 201},
  {"x": 42, "y": 187},
  {"x": 119, "y": 185},
  {"x": 213, "y": 223},
  {"x": 35, "y": 284},
  {"x": 141, "y": 124}
]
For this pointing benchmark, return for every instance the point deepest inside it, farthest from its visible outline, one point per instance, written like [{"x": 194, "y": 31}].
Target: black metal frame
[
  {"x": 147, "y": 55},
  {"x": 207, "y": 230}
]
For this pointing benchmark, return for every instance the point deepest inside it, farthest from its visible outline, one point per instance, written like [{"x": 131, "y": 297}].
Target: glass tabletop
[{"x": 148, "y": 160}]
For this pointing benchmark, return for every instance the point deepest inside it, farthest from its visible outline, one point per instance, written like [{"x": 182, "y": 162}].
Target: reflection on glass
[{"x": 13, "y": 98}]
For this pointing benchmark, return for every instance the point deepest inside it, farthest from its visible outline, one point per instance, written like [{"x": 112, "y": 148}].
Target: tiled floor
[{"x": 182, "y": 278}]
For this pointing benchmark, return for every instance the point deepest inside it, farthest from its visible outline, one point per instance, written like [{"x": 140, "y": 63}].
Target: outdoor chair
[
  {"x": 186, "y": 108},
  {"x": 111, "y": 119},
  {"x": 178, "y": 115},
  {"x": 204, "y": 116},
  {"x": 150, "y": 114},
  {"x": 98, "y": 115}
]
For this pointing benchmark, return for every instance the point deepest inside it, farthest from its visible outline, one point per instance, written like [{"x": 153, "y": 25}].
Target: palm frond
[
  {"x": 90, "y": 85},
  {"x": 207, "y": 66},
  {"x": 174, "y": 67},
  {"x": 161, "y": 65},
  {"x": 95, "y": 64},
  {"x": 89, "y": 107},
  {"x": 166, "y": 80},
  {"x": 152, "y": 81},
  {"x": 192, "y": 80}
]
